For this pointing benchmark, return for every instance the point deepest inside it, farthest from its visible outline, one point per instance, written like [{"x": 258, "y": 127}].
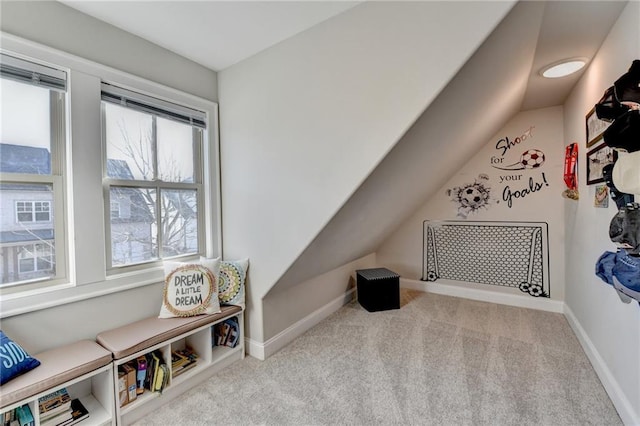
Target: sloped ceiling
[
  {"x": 568, "y": 30},
  {"x": 495, "y": 84},
  {"x": 213, "y": 33},
  {"x": 218, "y": 34}
]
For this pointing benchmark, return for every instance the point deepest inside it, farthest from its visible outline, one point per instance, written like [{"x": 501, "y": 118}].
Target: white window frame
[
  {"x": 155, "y": 184},
  {"x": 57, "y": 179},
  {"x": 84, "y": 207}
]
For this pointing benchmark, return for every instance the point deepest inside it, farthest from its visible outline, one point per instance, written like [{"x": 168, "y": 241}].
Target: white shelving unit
[
  {"x": 211, "y": 359},
  {"x": 95, "y": 391}
]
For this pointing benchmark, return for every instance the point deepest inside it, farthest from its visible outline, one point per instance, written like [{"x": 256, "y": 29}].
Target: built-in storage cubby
[
  {"x": 83, "y": 368},
  {"x": 195, "y": 342},
  {"x": 93, "y": 389}
]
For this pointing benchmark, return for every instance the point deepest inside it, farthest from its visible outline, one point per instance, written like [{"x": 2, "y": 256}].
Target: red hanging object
[
  {"x": 570, "y": 171},
  {"x": 570, "y": 163}
]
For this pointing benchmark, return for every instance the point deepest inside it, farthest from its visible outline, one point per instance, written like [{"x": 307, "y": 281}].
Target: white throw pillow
[{"x": 190, "y": 288}]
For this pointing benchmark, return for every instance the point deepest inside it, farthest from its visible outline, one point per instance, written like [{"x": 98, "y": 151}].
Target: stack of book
[
  {"x": 58, "y": 409},
  {"x": 55, "y": 407},
  {"x": 183, "y": 360},
  {"x": 226, "y": 333}
]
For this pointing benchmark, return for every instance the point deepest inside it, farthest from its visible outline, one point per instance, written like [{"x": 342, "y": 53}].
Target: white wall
[
  {"x": 403, "y": 251},
  {"x": 53, "y": 24},
  {"x": 609, "y": 329},
  {"x": 304, "y": 122}
]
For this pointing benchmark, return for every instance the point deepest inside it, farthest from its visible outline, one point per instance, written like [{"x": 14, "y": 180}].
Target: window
[
  {"x": 32, "y": 141},
  {"x": 35, "y": 257},
  {"x": 153, "y": 173},
  {"x": 33, "y": 211},
  {"x": 125, "y": 211}
]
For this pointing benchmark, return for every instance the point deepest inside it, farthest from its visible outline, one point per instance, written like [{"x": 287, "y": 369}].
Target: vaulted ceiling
[{"x": 218, "y": 34}]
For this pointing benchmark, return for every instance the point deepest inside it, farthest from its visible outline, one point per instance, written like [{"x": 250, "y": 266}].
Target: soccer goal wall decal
[{"x": 507, "y": 254}]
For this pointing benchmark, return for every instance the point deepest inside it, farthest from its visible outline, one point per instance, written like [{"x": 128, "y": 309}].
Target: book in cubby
[
  {"x": 226, "y": 333},
  {"x": 157, "y": 372},
  {"x": 78, "y": 413},
  {"x": 19, "y": 416},
  {"x": 55, "y": 407},
  {"x": 183, "y": 360}
]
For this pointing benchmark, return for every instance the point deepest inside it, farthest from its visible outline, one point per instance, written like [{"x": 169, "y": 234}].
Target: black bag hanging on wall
[
  {"x": 608, "y": 107},
  {"x": 624, "y": 133},
  {"x": 621, "y": 102},
  {"x": 626, "y": 87}
]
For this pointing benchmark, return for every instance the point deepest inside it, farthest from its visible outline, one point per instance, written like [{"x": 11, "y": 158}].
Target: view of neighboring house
[
  {"x": 131, "y": 218},
  {"x": 26, "y": 216}
]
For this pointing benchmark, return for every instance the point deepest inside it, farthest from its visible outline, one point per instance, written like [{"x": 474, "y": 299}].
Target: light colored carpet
[{"x": 438, "y": 360}]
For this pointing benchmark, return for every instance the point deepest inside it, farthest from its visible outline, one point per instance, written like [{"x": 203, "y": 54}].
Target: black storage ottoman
[{"x": 378, "y": 289}]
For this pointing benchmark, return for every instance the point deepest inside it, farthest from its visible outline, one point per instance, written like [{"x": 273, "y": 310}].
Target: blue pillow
[{"x": 14, "y": 360}]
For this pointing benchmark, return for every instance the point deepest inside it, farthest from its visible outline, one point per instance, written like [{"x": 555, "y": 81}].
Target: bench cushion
[
  {"x": 57, "y": 366},
  {"x": 137, "y": 336}
]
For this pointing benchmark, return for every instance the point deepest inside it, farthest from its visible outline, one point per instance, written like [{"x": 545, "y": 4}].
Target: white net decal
[{"x": 508, "y": 254}]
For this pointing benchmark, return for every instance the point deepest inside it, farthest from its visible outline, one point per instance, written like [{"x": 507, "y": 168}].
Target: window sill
[{"x": 22, "y": 303}]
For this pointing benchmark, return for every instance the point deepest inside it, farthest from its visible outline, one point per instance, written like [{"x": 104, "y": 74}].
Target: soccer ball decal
[
  {"x": 534, "y": 290},
  {"x": 532, "y": 159},
  {"x": 472, "y": 196}
]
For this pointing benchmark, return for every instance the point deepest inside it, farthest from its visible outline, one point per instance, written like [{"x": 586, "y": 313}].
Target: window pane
[
  {"x": 134, "y": 230},
  {"x": 19, "y": 233},
  {"x": 175, "y": 151},
  {"x": 33, "y": 261},
  {"x": 25, "y": 128},
  {"x": 179, "y": 222},
  {"x": 129, "y": 137},
  {"x": 25, "y": 217},
  {"x": 26, "y": 265},
  {"x": 44, "y": 260},
  {"x": 42, "y": 211}
]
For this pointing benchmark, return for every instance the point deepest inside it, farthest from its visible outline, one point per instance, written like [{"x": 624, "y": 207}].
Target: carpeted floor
[{"x": 438, "y": 360}]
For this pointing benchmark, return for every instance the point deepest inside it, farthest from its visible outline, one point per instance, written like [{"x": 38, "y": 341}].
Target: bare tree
[{"x": 177, "y": 208}]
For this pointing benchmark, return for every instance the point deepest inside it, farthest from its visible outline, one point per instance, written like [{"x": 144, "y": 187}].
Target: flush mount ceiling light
[{"x": 563, "y": 68}]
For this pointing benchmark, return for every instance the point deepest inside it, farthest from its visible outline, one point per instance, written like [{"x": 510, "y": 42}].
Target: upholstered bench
[
  {"x": 140, "y": 335},
  {"x": 57, "y": 366}
]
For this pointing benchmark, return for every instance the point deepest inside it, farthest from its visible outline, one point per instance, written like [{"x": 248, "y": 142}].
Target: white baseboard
[
  {"x": 542, "y": 304},
  {"x": 254, "y": 348},
  {"x": 264, "y": 350},
  {"x": 625, "y": 409}
]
